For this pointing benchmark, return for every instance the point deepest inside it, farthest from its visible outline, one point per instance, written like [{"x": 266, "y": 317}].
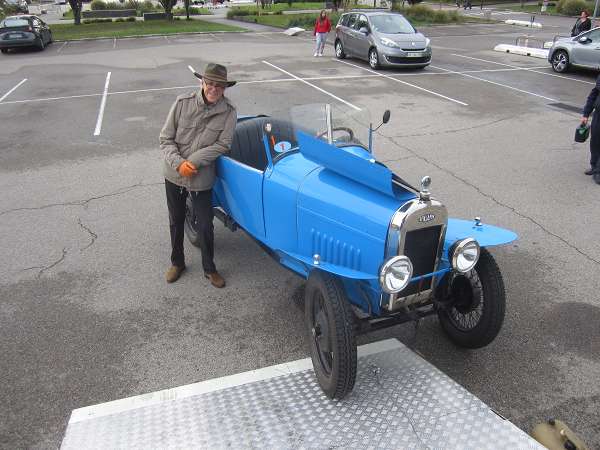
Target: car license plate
[
  {"x": 15, "y": 36},
  {"x": 414, "y": 54}
]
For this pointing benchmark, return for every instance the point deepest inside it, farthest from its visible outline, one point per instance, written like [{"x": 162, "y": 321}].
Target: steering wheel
[{"x": 344, "y": 129}]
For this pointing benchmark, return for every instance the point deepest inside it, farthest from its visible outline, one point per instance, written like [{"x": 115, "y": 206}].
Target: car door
[
  {"x": 587, "y": 53},
  {"x": 362, "y": 39},
  {"x": 39, "y": 30},
  {"x": 349, "y": 42}
]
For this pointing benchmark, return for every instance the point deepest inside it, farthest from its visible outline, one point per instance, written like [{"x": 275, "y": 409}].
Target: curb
[
  {"x": 525, "y": 51},
  {"x": 138, "y": 36},
  {"x": 523, "y": 23}
]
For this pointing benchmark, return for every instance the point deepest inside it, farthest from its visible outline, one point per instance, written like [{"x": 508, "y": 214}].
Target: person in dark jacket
[
  {"x": 582, "y": 24},
  {"x": 593, "y": 104}
]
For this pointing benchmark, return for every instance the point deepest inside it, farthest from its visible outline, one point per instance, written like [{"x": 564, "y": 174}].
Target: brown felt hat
[{"x": 217, "y": 73}]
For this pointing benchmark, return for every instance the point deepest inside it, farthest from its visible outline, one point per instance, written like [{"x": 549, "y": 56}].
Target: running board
[{"x": 400, "y": 401}]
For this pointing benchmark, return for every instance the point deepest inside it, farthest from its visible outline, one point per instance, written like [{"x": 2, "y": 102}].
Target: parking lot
[{"x": 86, "y": 316}]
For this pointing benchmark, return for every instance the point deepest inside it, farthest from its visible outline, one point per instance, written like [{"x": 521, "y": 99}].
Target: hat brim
[{"x": 229, "y": 83}]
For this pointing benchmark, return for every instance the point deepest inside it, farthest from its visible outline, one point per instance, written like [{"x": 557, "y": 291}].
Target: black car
[{"x": 24, "y": 31}]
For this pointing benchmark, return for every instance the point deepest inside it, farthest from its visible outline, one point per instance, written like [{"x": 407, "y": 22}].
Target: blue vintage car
[{"x": 375, "y": 250}]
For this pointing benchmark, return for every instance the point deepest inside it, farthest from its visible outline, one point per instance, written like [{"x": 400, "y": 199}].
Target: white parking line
[
  {"x": 13, "y": 89},
  {"x": 312, "y": 85},
  {"x": 62, "y": 46},
  {"x": 115, "y": 43},
  {"x": 524, "y": 68},
  {"x": 167, "y": 39},
  {"x": 404, "y": 82},
  {"x": 497, "y": 84},
  {"x": 102, "y": 105}
]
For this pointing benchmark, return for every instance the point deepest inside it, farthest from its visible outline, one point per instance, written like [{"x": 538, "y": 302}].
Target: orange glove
[{"x": 187, "y": 169}]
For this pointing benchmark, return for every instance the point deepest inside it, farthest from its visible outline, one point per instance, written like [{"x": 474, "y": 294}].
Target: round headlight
[
  {"x": 395, "y": 274},
  {"x": 465, "y": 255}
]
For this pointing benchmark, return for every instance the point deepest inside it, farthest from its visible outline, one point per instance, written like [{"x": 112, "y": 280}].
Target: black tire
[
  {"x": 373, "y": 59},
  {"x": 331, "y": 334},
  {"x": 190, "y": 223},
  {"x": 473, "y": 308},
  {"x": 4, "y": 50},
  {"x": 339, "y": 50},
  {"x": 41, "y": 44},
  {"x": 560, "y": 61},
  {"x": 50, "y": 39}
]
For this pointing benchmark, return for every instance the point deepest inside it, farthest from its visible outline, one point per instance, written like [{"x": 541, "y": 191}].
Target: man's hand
[
  {"x": 584, "y": 120},
  {"x": 187, "y": 169}
]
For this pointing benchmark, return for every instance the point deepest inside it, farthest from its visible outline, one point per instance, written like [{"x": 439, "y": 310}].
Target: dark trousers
[
  {"x": 202, "y": 224},
  {"x": 595, "y": 142}
]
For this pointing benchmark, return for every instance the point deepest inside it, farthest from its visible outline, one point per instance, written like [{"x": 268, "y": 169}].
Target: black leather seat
[{"x": 248, "y": 146}]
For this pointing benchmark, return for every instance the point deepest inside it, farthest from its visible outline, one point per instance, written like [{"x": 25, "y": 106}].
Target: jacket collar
[{"x": 212, "y": 109}]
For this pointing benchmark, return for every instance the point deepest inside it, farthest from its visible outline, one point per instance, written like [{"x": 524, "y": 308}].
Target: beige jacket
[{"x": 199, "y": 133}]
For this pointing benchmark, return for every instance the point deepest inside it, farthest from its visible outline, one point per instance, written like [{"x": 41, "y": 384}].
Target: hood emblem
[
  {"x": 426, "y": 218},
  {"x": 413, "y": 44}
]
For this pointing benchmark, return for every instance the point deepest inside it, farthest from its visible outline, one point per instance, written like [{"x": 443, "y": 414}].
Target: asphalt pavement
[{"x": 86, "y": 316}]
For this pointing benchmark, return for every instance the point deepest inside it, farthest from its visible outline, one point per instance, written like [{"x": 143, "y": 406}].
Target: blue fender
[{"x": 486, "y": 235}]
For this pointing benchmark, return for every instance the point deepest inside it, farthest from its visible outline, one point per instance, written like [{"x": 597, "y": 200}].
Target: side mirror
[
  {"x": 386, "y": 116},
  {"x": 584, "y": 39},
  {"x": 364, "y": 30}
]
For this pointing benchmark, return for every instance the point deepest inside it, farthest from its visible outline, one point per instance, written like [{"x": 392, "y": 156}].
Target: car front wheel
[
  {"x": 4, "y": 50},
  {"x": 331, "y": 334},
  {"x": 472, "y": 308},
  {"x": 373, "y": 59},
  {"x": 339, "y": 50},
  {"x": 560, "y": 61}
]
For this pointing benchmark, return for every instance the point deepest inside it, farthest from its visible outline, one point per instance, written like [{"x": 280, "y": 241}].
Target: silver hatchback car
[
  {"x": 579, "y": 51},
  {"x": 382, "y": 38}
]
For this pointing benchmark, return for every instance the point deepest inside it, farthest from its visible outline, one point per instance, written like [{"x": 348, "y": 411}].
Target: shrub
[
  {"x": 96, "y": 20},
  {"x": 423, "y": 13},
  {"x": 573, "y": 7},
  {"x": 133, "y": 4},
  {"x": 98, "y": 5},
  {"x": 237, "y": 12}
]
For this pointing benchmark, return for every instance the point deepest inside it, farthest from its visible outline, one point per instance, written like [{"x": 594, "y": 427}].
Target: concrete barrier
[
  {"x": 525, "y": 51},
  {"x": 523, "y": 23},
  {"x": 155, "y": 16}
]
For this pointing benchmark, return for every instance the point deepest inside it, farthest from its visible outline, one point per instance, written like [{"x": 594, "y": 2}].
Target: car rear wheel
[
  {"x": 560, "y": 61},
  {"x": 4, "y": 50},
  {"x": 41, "y": 44},
  {"x": 339, "y": 50},
  {"x": 472, "y": 308},
  {"x": 50, "y": 39},
  {"x": 373, "y": 59},
  {"x": 331, "y": 334}
]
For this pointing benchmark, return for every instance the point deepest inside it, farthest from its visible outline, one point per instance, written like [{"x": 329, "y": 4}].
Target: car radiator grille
[
  {"x": 421, "y": 246},
  {"x": 406, "y": 60}
]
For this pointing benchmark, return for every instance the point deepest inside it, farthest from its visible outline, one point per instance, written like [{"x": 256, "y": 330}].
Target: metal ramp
[{"x": 400, "y": 401}]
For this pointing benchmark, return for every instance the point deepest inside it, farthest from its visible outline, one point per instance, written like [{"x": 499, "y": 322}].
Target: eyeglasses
[{"x": 214, "y": 85}]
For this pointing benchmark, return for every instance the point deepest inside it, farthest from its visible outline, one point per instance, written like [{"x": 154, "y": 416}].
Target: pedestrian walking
[
  {"x": 322, "y": 27},
  {"x": 198, "y": 129},
  {"x": 593, "y": 105},
  {"x": 582, "y": 24}
]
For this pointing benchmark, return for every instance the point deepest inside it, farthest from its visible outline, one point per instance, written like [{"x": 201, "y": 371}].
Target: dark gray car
[
  {"x": 24, "y": 31},
  {"x": 382, "y": 38},
  {"x": 578, "y": 51}
]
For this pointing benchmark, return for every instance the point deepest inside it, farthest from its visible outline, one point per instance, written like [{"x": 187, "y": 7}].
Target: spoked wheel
[
  {"x": 330, "y": 325},
  {"x": 472, "y": 311},
  {"x": 339, "y": 50},
  {"x": 373, "y": 59},
  {"x": 190, "y": 223},
  {"x": 560, "y": 61}
]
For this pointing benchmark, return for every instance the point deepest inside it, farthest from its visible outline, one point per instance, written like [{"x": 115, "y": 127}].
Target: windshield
[
  {"x": 13, "y": 23},
  {"x": 348, "y": 126},
  {"x": 391, "y": 24}
]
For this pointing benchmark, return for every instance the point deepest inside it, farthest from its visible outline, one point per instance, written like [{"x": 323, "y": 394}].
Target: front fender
[{"x": 486, "y": 235}]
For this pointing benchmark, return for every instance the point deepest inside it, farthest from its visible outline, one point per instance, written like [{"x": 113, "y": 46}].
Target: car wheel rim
[
  {"x": 321, "y": 334},
  {"x": 468, "y": 302},
  {"x": 338, "y": 49},
  {"x": 560, "y": 61},
  {"x": 373, "y": 58}
]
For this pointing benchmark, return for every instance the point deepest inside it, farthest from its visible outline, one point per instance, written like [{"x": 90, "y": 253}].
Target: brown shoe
[
  {"x": 174, "y": 273},
  {"x": 215, "y": 279}
]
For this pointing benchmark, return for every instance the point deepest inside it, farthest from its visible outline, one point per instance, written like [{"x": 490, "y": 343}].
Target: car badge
[
  {"x": 413, "y": 44},
  {"x": 426, "y": 218}
]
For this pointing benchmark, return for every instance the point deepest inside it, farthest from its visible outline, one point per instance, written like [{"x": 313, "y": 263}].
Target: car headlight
[
  {"x": 464, "y": 254},
  {"x": 389, "y": 43},
  {"x": 395, "y": 274},
  {"x": 427, "y": 42}
]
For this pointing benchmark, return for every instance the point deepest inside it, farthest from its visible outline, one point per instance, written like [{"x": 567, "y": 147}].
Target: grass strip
[{"x": 66, "y": 32}]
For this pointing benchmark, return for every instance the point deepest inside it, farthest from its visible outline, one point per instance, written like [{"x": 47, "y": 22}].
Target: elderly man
[{"x": 198, "y": 129}]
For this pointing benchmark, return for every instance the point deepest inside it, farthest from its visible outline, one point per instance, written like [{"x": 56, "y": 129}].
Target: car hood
[{"x": 406, "y": 40}]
